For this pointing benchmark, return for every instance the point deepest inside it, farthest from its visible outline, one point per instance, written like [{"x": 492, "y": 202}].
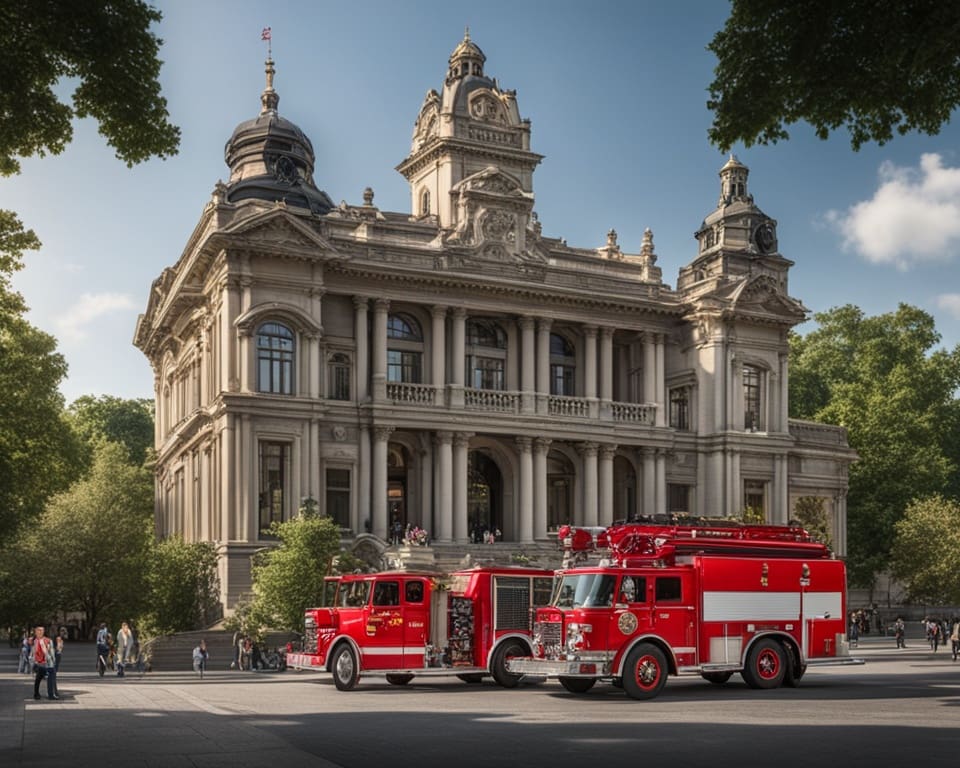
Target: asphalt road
[{"x": 901, "y": 706}]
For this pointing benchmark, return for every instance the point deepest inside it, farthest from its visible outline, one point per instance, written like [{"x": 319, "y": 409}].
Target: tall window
[
  {"x": 680, "y": 408},
  {"x": 338, "y": 496},
  {"x": 486, "y": 354},
  {"x": 425, "y": 202},
  {"x": 754, "y": 498},
  {"x": 274, "y": 458},
  {"x": 275, "y": 359},
  {"x": 339, "y": 377},
  {"x": 405, "y": 350},
  {"x": 563, "y": 366},
  {"x": 752, "y": 380},
  {"x": 678, "y": 498}
]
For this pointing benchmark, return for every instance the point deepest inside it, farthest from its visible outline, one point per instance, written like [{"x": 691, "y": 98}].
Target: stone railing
[
  {"x": 410, "y": 394},
  {"x": 634, "y": 413},
  {"x": 816, "y": 433},
  {"x": 491, "y": 400},
  {"x": 568, "y": 406}
]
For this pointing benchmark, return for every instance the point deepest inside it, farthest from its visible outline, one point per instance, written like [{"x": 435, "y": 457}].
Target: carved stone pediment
[
  {"x": 492, "y": 216},
  {"x": 278, "y": 230}
]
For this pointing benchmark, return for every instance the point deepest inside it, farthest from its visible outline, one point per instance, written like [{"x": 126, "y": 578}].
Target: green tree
[
  {"x": 183, "y": 586},
  {"x": 289, "y": 577},
  {"x": 129, "y": 422},
  {"x": 38, "y": 453},
  {"x": 884, "y": 379},
  {"x": 873, "y": 66},
  {"x": 108, "y": 51},
  {"x": 926, "y": 552},
  {"x": 90, "y": 549},
  {"x": 811, "y": 514}
]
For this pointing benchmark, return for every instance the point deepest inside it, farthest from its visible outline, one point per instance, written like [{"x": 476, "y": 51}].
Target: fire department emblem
[{"x": 627, "y": 623}]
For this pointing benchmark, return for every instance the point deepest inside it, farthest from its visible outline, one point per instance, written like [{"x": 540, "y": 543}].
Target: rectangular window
[
  {"x": 754, "y": 495},
  {"x": 680, "y": 408},
  {"x": 751, "y": 398},
  {"x": 339, "y": 378},
  {"x": 403, "y": 367},
  {"x": 678, "y": 498},
  {"x": 338, "y": 496},
  {"x": 488, "y": 373},
  {"x": 668, "y": 589},
  {"x": 386, "y": 593},
  {"x": 274, "y": 458},
  {"x": 561, "y": 380}
]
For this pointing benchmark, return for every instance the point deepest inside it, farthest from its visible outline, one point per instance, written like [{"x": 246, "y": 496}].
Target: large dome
[{"x": 271, "y": 159}]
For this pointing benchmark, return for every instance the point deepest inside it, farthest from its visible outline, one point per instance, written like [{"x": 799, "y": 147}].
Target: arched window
[
  {"x": 563, "y": 366},
  {"x": 425, "y": 202},
  {"x": 338, "y": 379},
  {"x": 404, "y": 350},
  {"x": 275, "y": 355},
  {"x": 752, "y": 398},
  {"x": 486, "y": 354}
]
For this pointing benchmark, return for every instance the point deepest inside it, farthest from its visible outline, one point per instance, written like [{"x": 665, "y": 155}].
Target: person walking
[
  {"x": 200, "y": 656},
  {"x": 955, "y": 638},
  {"x": 899, "y": 629},
  {"x": 124, "y": 648},
  {"x": 23, "y": 665},
  {"x": 43, "y": 659}
]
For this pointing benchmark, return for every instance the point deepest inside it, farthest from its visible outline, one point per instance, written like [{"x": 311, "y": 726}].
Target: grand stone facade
[{"x": 451, "y": 367}]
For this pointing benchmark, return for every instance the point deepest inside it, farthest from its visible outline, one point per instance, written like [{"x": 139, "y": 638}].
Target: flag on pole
[{"x": 265, "y": 35}]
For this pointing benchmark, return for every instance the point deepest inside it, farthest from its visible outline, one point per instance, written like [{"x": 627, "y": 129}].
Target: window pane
[
  {"x": 751, "y": 397},
  {"x": 275, "y": 349},
  {"x": 273, "y": 469}
]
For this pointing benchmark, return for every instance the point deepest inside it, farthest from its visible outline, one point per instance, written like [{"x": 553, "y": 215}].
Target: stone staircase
[{"x": 171, "y": 653}]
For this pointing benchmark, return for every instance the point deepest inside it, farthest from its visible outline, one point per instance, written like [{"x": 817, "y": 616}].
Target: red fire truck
[
  {"x": 676, "y": 599},
  {"x": 404, "y": 624}
]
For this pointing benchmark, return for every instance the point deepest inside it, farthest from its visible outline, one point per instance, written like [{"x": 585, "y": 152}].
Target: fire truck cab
[
  {"x": 668, "y": 599},
  {"x": 404, "y": 624}
]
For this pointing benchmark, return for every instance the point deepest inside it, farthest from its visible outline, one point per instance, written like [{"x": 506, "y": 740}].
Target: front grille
[{"x": 551, "y": 633}]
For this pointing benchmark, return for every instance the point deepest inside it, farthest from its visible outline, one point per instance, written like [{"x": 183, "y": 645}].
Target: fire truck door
[
  {"x": 383, "y": 648},
  {"x": 674, "y": 617},
  {"x": 415, "y": 621},
  {"x": 631, "y": 610}
]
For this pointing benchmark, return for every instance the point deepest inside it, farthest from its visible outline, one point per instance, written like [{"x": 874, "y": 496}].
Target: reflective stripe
[
  {"x": 392, "y": 650},
  {"x": 768, "y": 606}
]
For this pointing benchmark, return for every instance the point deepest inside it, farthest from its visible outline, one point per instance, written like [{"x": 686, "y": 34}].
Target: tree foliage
[
  {"x": 884, "y": 379},
  {"x": 129, "y": 422},
  {"x": 810, "y": 513},
  {"x": 926, "y": 551},
  {"x": 183, "y": 586},
  {"x": 876, "y": 67},
  {"x": 108, "y": 51},
  {"x": 90, "y": 550},
  {"x": 289, "y": 577}
]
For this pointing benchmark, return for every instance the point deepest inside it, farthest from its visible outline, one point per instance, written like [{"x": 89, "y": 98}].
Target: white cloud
[
  {"x": 913, "y": 217},
  {"x": 72, "y": 324},
  {"x": 950, "y": 303}
]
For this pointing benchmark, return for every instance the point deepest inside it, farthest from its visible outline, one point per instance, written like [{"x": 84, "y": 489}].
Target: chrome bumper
[{"x": 544, "y": 668}]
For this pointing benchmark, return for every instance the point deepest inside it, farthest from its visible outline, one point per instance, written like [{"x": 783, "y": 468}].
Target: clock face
[{"x": 765, "y": 237}]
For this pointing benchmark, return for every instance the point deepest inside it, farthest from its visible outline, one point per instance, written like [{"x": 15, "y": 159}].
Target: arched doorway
[
  {"x": 561, "y": 477},
  {"x": 624, "y": 489},
  {"x": 484, "y": 496}
]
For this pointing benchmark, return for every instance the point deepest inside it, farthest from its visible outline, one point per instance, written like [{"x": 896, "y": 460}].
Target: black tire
[
  {"x": 717, "y": 678},
  {"x": 645, "y": 672},
  {"x": 345, "y": 669},
  {"x": 472, "y": 679},
  {"x": 766, "y": 665},
  {"x": 399, "y": 679},
  {"x": 794, "y": 670},
  {"x": 498, "y": 665},
  {"x": 578, "y": 684}
]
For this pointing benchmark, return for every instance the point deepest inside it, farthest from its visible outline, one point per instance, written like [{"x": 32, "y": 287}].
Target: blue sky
[{"x": 616, "y": 92}]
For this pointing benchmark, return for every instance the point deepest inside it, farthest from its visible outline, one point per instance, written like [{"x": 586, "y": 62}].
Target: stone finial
[
  {"x": 612, "y": 238},
  {"x": 646, "y": 248},
  {"x": 368, "y": 196},
  {"x": 269, "y": 99}
]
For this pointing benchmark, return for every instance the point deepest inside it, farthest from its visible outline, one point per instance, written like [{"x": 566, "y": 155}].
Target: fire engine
[
  {"x": 405, "y": 624},
  {"x": 672, "y": 598}
]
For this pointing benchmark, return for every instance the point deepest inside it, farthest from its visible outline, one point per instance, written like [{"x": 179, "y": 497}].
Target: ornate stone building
[{"x": 452, "y": 367}]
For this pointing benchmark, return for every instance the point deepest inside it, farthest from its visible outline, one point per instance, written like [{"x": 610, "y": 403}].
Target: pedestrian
[
  {"x": 103, "y": 646},
  {"x": 854, "y": 631},
  {"x": 23, "y": 665},
  {"x": 899, "y": 628},
  {"x": 237, "y": 637},
  {"x": 43, "y": 659},
  {"x": 200, "y": 656},
  {"x": 246, "y": 656},
  {"x": 955, "y": 638},
  {"x": 124, "y": 648}
]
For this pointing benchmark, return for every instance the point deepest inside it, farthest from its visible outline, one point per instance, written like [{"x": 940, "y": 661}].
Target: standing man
[
  {"x": 124, "y": 647},
  {"x": 43, "y": 659}
]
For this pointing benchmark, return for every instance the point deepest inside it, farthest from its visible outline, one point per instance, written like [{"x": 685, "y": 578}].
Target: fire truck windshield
[{"x": 585, "y": 590}]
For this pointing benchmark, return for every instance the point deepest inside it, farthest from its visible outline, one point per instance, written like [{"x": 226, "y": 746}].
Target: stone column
[
  {"x": 784, "y": 393},
  {"x": 648, "y": 458},
  {"x": 361, "y": 304},
  {"x": 443, "y": 451},
  {"x": 607, "y": 453},
  {"x": 588, "y": 453},
  {"x": 541, "y": 447},
  {"x": 364, "y": 510},
  {"x": 528, "y": 384},
  {"x": 438, "y": 375},
  {"x": 780, "y": 503},
  {"x": 381, "y": 436},
  {"x": 661, "y": 460},
  {"x": 525, "y": 516},
  {"x": 840, "y": 507},
  {"x": 457, "y": 355},
  {"x": 426, "y": 487},
  {"x": 461, "y": 449},
  {"x": 543, "y": 365},
  {"x": 660, "y": 381},
  {"x": 229, "y": 377},
  {"x": 649, "y": 369},
  {"x": 606, "y": 371},
  {"x": 381, "y": 307},
  {"x": 590, "y": 370}
]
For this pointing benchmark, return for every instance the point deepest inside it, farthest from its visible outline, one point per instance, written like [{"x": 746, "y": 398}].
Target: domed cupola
[
  {"x": 271, "y": 159},
  {"x": 467, "y": 59}
]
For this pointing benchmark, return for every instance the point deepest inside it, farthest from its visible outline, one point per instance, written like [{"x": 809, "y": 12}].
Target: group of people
[
  {"x": 120, "y": 652},
  {"x": 937, "y": 633},
  {"x": 40, "y": 654}
]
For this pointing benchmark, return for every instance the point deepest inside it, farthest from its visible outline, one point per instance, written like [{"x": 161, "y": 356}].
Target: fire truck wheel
[
  {"x": 577, "y": 684},
  {"x": 399, "y": 679},
  {"x": 766, "y": 665},
  {"x": 345, "y": 670},
  {"x": 717, "y": 678},
  {"x": 472, "y": 679},
  {"x": 645, "y": 672},
  {"x": 498, "y": 666},
  {"x": 794, "y": 671}
]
